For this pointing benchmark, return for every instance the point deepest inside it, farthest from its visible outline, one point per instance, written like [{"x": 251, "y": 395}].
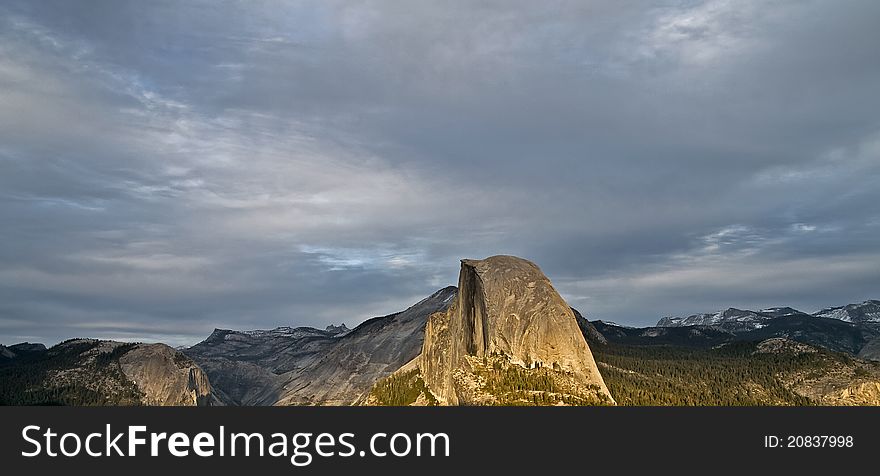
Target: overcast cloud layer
[{"x": 168, "y": 168}]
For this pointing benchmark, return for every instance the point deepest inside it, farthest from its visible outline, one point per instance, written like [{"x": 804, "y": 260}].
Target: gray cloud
[{"x": 166, "y": 168}]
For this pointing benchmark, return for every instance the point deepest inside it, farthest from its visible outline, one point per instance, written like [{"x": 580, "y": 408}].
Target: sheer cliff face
[
  {"x": 505, "y": 306},
  {"x": 165, "y": 376}
]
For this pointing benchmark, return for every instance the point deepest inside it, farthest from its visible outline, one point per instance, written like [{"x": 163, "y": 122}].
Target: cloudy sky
[{"x": 171, "y": 167}]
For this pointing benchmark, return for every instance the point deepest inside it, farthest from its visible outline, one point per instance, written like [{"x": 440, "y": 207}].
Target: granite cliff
[
  {"x": 507, "y": 339},
  {"x": 97, "y": 372},
  {"x": 166, "y": 377},
  {"x": 307, "y": 366}
]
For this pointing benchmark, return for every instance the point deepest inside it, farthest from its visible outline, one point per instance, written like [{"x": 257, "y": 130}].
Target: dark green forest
[
  {"x": 508, "y": 384},
  {"x": 31, "y": 379},
  {"x": 401, "y": 390},
  {"x": 729, "y": 375}
]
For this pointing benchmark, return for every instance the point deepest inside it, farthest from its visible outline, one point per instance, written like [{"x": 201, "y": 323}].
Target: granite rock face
[
  {"x": 85, "y": 372},
  {"x": 588, "y": 329},
  {"x": 370, "y": 352},
  {"x": 871, "y": 350},
  {"x": 165, "y": 376},
  {"x": 307, "y": 366},
  {"x": 505, "y": 307},
  {"x": 251, "y": 368}
]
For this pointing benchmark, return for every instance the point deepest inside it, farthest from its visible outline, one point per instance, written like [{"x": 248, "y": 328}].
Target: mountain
[
  {"x": 588, "y": 329},
  {"x": 303, "y": 365},
  {"x": 776, "y": 312},
  {"x": 689, "y": 336},
  {"x": 166, "y": 377},
  {"x": 831, "y": 334},
  {"x": 507, "y": 339},
  {"x": 732, "y": 319},
  {"x": 370, "y": 352},
  {"x": 737, "y": 320},
  {"x": 871, "y": 350},
  {"x": 248, "y": 367},
  {"x": 18, "y": 350},
  {"x": 867, "y": 312},
  {"x": 338, "y": 331},
  {"x": 850, "y": 331},
  {"x": 730, "y": 316},
  {"x": 94, "y": 372},
  {"x": 503, "y": 337},
  {"x": 26, "y": 348}
]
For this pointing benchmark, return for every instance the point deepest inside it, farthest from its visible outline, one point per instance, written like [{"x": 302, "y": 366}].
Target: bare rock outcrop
[
  {"x": 165, "y": 376},
  {"x": 92, "y": 372},
  {"x": 871, "y": 350},
  {"x": 507, "y": 313}
]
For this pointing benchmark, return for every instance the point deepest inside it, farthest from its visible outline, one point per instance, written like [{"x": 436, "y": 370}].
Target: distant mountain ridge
[
  {"x": 507, "y": 338},
  {"x": 864, "y": 312},
  {"x": 857, "y": 336},
  {"x": 731, "y": 319},
  {"x": 739, "y": 320},
  {"x": 293, "y": 332},
  {"x": 20, "y": 349}
]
